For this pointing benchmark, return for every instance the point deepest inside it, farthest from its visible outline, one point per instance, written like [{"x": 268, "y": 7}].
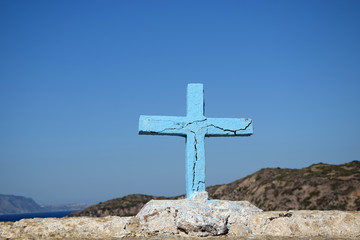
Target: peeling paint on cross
[{"x": 195, "y": 127}]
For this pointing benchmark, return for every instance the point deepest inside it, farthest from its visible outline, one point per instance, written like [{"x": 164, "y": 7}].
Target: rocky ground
[{"x": 189, "y": 220}]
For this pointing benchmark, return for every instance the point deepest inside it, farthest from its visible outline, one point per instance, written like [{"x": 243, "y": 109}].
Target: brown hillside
[{"x": 320, "y": 186}]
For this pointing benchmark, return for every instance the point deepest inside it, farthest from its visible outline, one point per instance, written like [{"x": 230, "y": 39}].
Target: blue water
[{"x": 19, "y": 216}]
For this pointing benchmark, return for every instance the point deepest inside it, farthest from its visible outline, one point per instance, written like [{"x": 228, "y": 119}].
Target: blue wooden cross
[{"x": 195, "y": 127}]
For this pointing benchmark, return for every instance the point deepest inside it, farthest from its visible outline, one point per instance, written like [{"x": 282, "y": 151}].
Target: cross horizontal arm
[
  {"x": 229, "y": 127},
  {"x": 162, "y": 125}
]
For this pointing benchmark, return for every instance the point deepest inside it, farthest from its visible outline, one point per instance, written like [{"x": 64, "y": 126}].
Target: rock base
[
  {"x": 199, "y": 218},
  {"x": 193, "y": 218}
]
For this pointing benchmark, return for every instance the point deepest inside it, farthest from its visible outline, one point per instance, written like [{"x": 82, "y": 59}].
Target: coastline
[{"x": 18, "y": 216}]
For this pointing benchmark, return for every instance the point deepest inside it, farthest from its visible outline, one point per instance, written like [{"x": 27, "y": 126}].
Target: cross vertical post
[
  {"x": 195, "y": 101},
  {"x": 195, "y": 146}
]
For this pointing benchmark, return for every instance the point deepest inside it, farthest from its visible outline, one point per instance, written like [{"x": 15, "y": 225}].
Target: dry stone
[
  {"x": 338, "y": 224},
  {"x": 66, "y": 228},
  {"x": 196, "y": 217},
  {"x": 180, "y": 218}
]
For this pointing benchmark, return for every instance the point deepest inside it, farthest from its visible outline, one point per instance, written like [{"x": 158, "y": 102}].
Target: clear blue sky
[{"x": 76, "y": 75}]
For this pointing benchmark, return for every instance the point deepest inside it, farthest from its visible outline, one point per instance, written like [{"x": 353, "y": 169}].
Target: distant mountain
[
  {"x": 64, "y": 207},
  {"x": 17, "y": 204},
  {"x": 10, "y": 204},
  {"x": 320, "y": 186}
]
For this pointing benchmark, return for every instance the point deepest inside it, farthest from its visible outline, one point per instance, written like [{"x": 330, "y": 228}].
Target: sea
[{"x": 19, "y": 216}]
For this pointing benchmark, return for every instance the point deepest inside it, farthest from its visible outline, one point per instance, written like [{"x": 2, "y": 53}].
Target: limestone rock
[
  {"x": 180, "y": 218},
  {"x": 339, "y": 224},
  {"x": 200, "y": 196},
  {"x": 67, "y": 228},
  {"x": 196, "y": 217}
]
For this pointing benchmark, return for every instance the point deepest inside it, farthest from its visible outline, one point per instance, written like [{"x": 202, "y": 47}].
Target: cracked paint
[
  {"x": 194, "y": 164},
  {"x": 230, "y": 130},
  {"x": 195, "y": 127}
]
